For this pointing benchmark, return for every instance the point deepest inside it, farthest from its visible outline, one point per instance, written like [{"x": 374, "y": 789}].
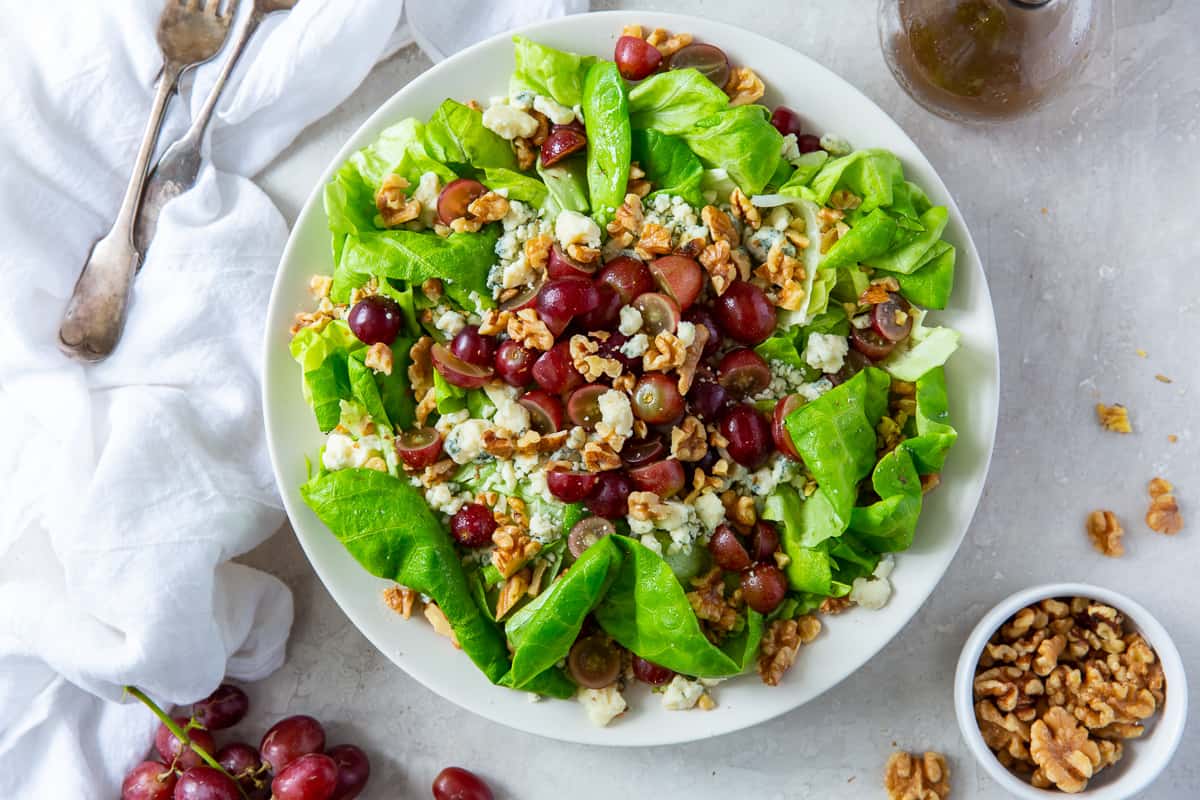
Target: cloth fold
[{"x": 129, "y": 485}]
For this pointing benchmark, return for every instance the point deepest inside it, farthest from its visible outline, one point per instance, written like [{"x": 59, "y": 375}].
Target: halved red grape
[
  {"x": 241, "y": 761},
  {"x": 473, "y": 525},
  {"x": 202, "y": 782},
  {"x": 309, "y": 777},
  {"x": 456, "y": 371},
  {"x": 375, "y": 319},
  {"x": 545, "y": 411},
  {"x": 566, "y": 297},
  {"x": 868, "y": 342},
  {"x": 594, "y": 662},
  {"x": 854, "y": 363},
  {"x": 176, "y": 753},
  {"x": 554, "y": 370},
  {"x": 418, "y": 448},
  {"x": 453, "y": 201},
  {"x": 786, "y": 121},
  {"x": 764, "y": 540},
  {"x": 808, "y": 143},
  {"x": 660, "y": 313},
  {"x": 290, "y": 738},
  {"x": 583, "y": 406},
  {"x": 763, "y": 587},
  {"x": 607, "y": 313},
  {"x": 745, "y": 313},
  {"x": 706, "y": 399},
  {"x": 748, "y": 434},
  {"x": 639, "y": 452},
  {"x": 892, "y": 319},
  {"x": 587, "y": 532},
  {"x": 562, "y": 142},
  {"x": 456, "y": 783},
  {"x": 700, "y": 315},
  {"x": 743, "y": 372},
  {"x": 709, "y": 60},
  {"x": 783, "y": 439},
  {"x": 651, "y": 673},
  {"x": 222, "y": 709},
  {"x": 727, "y": 549},
  {"x": 611, "y": 497},
  {"x": 569, "y": 485},
  {"x": 354, "y": 768},
  {"x": 636, "y": 58},
  {"x": 149, "y": 780},
  {"x": 473, "y": 347},
  {"x": 561, "y": 265},
  {"x": 628, "y": 277},
  {"x": 656, "y": 399},
  {"x": 526, "y": 298},
  {"x": 665, "y": 478},
  {"x": 680, "y": 277},
  {"x": 514, "y": 363}
]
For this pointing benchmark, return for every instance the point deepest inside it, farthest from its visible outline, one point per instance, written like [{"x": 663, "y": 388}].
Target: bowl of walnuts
[{"x": 1071, "y": 688}]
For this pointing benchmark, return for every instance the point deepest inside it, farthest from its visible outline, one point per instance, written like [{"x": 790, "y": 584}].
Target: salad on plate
[{"x": 624, "y": 376}]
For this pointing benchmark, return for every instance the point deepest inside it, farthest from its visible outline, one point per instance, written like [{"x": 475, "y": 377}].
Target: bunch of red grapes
[{"x": 290, "y": 763}]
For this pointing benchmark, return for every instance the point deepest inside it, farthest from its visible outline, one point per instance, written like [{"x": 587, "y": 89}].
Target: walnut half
[
  {"x": 1163, "y": 515},
  {"x": 908, "y": 777},
  {"x": 1105, "y": 532},
  {"x": 1063, "y": 751}
]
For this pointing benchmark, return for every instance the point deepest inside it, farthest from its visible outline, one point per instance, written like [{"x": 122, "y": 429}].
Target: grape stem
[{"x": 181, "y": 735}]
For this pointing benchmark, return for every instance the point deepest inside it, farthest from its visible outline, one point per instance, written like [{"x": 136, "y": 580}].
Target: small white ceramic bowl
[{"x": 1144, "y": 758}]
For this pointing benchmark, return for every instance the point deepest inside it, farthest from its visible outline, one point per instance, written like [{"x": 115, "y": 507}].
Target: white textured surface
[{"x": 1110, "y": 267}]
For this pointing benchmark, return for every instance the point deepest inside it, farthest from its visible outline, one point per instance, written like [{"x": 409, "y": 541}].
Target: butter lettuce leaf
[
  {"x": 925, "y": 349},
  {"x": 516, "y": 186},
  {"x": 551, "y": 73},
  {"x": 870, "y": 174},
  {"x": 932, "y": 282},
  {"x": 887, "y": 526},
  {"x": 566, "y": 183},
  {"x": 911, "y": 254},
  {"x": 673, "y": 101},
  {"x": 462, "y": 260},
  {"x": 935, "y": 436},
  {"x": 455, "y": 135},
  {"x": 670, "y": 166},
  {"x": 742, "y": 141},
  {"x": 606, "y": 117}
]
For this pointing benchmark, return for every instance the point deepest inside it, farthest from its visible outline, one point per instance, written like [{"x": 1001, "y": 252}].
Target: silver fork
[
  {"x": 190, "y": 32},
  {"x": 177, "y": 170}
]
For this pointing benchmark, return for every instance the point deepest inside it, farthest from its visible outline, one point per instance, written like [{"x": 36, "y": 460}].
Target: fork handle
[{"x": 95, "y": 314}]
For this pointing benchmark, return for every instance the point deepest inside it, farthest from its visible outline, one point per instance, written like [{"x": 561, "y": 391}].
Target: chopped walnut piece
[
  {"x": 1114, "y": 418},
  {"x": 591, "y": 366},
  {"x": 628, "y": 218},
  {"x": 473, "y": 104},
  {"x": 420, "y": 366},
  {"x": 494, "y": 321},
  {"x": 744, "y": 210},
  {"x": 488, "y": 207},
  {"x": 1105, "y": 531},
  {"x": 400, "y": 599},
  {"x": 907, "y": 777},
  {"x": 527, "y": 328},
  {"x": 379, "y": 358},
  {"x": 376, "y": 463},
  {"x": 513, "y": 550},
  {"x": 668, "y": 45},
  {"x": 316, "y": 320},
  {"x": 666, "y": 352},
  {"x": 655, "y": 240},
  {"x": 513, "y": 590},
  {"x": 844, "y": 200},
  {"x": 780, "y": 645},
  {"x": 709, "y": 602},
  {"x": 600, "y": 457},
  {"x": 637, "y": 183},
  {"x": 1048, "y": 653},
  {"x": 1063, "y": 751},
  {"x": 633, "y": 30},
  {"x": 625, "y": 383},
  {"x": 689, "y": 440},
  {"x": 834, "y": 605},
  {"x": 640, "y": 504},
  {"x": 537, "y": 251},
  {"x": 441, "y": 625},
  {"x": 1163, "y": 515},
  {"x": 582, "y": 253},
  {"x": 787, "y": 273},
  {"x": 393, "y": 205},
  {"x": 426, "y": 406},
  {"x": 743, "y": 87},
  {"x": 717, "y": 260},
  {"x": 319, "y": 286},
  {"x": 526, "y": 153},
  {"x": 691, "y": 361},
  {"x": 742, "y": 512},
  {"x": 720, "y": 226}
]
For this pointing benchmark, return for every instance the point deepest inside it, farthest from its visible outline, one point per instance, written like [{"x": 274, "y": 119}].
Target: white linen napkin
[{"x": 128, "y": 486}]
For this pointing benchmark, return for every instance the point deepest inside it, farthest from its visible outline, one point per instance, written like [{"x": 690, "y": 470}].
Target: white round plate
[{"x": 831, "y": 105}]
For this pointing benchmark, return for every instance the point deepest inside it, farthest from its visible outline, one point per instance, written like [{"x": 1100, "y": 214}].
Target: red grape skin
[
  {"x": 456, "y": 783},
  {"x": 173, "y": 751},
  {"x": 594, "y": 662},
  {"x": 473, "y": 347},
  {"x": 222, "y": 709},
  {"x": 708, "y": 59},
  {"x": 727, "y": 549},
  {"x": 291, "y": 738},
  {"x": 354, "y": 768},
  {"x": 764, "y": 540},
  {"x": 457, "y": 195},
  {"x": 571, "y": 486},
  {"x": 749, "y": 435},
  {"x": 309, "y": 777},
  {"x": 786, "y": 121},
  {"x": 149, "y": 780},
  {"x": 745, "y": 313},
  {"x": 636, "y": 58},
  {"x": 242, "y": 761},
  {"x": 651, "y": 673},
  {"x": 473, "y": 525},
  {"x": 611, "y": 497},
  {"x": 514, "y": 363},
  {"x": 561, "y": 142},
  {"x": 376, "y": 319},
  {"x": 205, "y": 783},
  {"x": 764, "y": 587}
]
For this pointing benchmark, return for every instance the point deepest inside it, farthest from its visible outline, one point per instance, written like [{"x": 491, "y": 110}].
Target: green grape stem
[{"x": 181, "y": 735}]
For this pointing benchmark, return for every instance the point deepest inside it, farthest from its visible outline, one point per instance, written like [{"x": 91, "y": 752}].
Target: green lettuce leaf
[
  {"x": 872, "y": 236},
  {"x": 925, "y": 349},
  {"x": 805, "y": 169},
  {"x": 887, "y": 526},
  {"x": 739, "y": 140},
  {"x": 323, "y": 356},
  {"x": 870, "y": 174},
  {"x": 461, "y": 259},
  {"x": 518, "y": 187},
  {"x": 379, "y": 159},
  {"x": 455, "y": 135},
  {"x": 785, "y": 345},
  {"x": 935, "y": 436},
  {"x": 806, "y": 525},
  {"x": 414, "y": 163},
  {"x": 566, "y": 182},
  {"x": 912, "y": 254},
  {"x": 672, "y": 101},
  {"x": 932, "y": 282},
  {"x": 669, "y": 164},
  {"x": 606, "y": 117},
  {"x": 390, "y": 530},
  {"x": 548, "y": 72}
]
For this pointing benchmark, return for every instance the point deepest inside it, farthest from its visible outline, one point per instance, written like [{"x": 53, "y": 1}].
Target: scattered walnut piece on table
[
  {"x": 1163, "y": 515},
  {"x": 1105, "y": 531},
  {"x": 1114, "y": 418},
  {"x": 909, "y": 777}
]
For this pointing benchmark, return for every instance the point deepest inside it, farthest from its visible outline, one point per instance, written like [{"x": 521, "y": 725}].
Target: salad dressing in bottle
[{"x": 984, "y": 59}]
